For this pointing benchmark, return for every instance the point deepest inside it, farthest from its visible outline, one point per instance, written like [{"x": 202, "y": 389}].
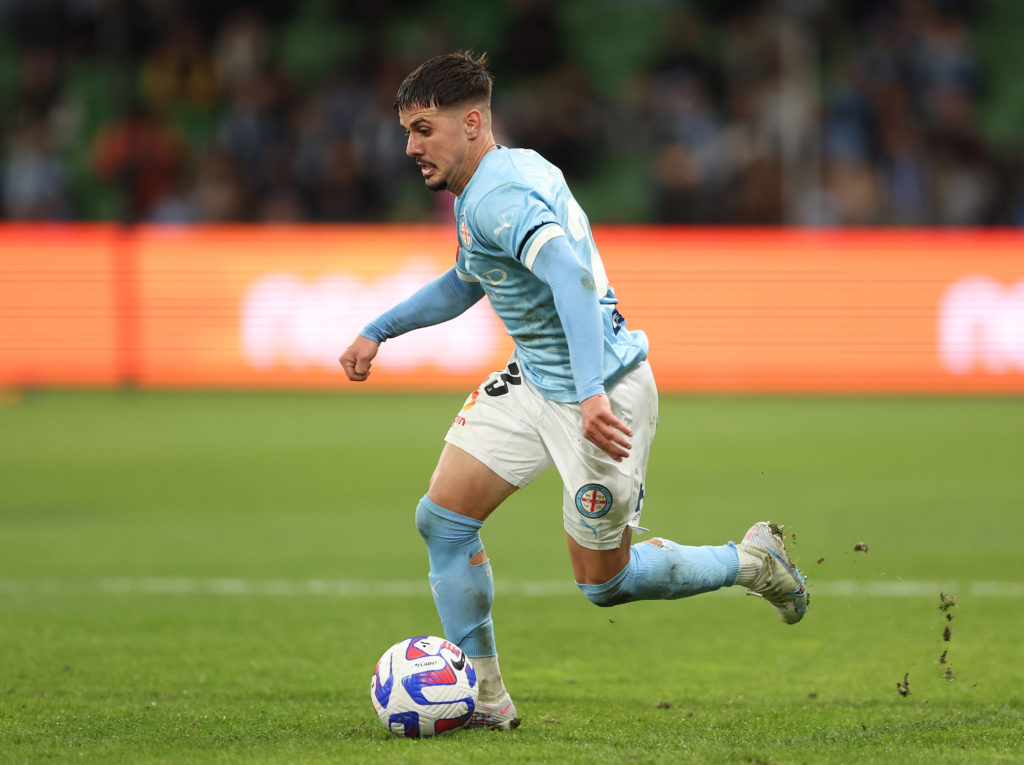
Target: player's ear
[{"x": 472, "y": 123}]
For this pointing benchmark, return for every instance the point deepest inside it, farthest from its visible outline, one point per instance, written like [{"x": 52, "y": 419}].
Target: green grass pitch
[{"x": 204, "y": 577}]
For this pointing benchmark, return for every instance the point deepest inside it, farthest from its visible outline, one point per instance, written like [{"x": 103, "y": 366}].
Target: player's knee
[
  {"x": 610, "y": 593},
  {"x": 443, "y": 529},
  {"x": 599, "y": 598},
  {"x": 425, "y": 520}
]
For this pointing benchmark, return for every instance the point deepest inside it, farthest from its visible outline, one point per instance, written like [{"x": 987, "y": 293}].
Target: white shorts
[{"x": 509, "y": 426}]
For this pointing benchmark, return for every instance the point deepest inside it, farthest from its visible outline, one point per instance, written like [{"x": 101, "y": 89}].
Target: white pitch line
[{"x": 348, "y": 588}]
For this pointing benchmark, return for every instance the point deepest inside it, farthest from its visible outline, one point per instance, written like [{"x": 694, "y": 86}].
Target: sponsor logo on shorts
[
  {"x": 459, "y": 418},
  {"x": 593, "y": 500},
  {"x": 592, "y": 529}
]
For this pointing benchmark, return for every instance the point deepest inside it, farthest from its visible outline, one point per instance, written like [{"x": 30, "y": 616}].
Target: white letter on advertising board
[{"x": 981, "y": 321}]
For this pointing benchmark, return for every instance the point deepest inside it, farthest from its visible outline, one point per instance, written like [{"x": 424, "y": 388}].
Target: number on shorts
[{"x": 499, "y": 387}]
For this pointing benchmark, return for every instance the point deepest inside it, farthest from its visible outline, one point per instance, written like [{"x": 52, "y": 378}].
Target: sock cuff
[
  {"x": 605, "y": 588},
  {"x": 731, "y": 558},
  {"x": 428, "y": 505}
]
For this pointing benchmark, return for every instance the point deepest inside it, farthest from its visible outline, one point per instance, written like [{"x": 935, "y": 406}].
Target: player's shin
[
  {"x": 463, "y": 591},
  {"x": 659, "y": 569}
]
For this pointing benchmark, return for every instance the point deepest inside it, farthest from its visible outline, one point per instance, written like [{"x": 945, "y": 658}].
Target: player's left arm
[
  {"x": 437, "y": 301},
  {"x": 577, "y": 303},
  {"x": 444, "y": 298}
]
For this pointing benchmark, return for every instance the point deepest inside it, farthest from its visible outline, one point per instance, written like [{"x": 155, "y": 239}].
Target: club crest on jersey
[
  {"x": 593, "y": 500},
  {"x": 464, "y": 236}
]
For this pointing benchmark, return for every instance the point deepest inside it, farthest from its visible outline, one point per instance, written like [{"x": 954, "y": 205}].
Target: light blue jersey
[{"x": 515, "y": 205}]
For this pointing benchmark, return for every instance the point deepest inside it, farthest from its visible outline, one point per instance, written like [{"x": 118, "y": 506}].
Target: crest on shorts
[
  {"x": 593, "y": 500},
  {"x": 467, "y": 240}
]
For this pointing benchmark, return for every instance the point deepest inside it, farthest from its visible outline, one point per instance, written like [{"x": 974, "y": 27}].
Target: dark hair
[{"x": 447, "y": 80}]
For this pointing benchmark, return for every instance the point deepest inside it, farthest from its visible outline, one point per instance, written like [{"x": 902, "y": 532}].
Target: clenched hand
[{"x": 357, "y": 357}]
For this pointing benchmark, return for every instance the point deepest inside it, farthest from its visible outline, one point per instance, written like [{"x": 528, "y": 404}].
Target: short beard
[{"x": 441, "y": 185}]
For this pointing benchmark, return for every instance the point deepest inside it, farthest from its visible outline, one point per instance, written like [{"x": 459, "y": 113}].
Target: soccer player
[{"x": 577, "y": 393}]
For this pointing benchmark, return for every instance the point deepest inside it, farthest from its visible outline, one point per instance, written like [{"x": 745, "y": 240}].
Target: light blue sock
[
  {"x": 463, "y": 592},
  {"x": 662, "y": 570}
]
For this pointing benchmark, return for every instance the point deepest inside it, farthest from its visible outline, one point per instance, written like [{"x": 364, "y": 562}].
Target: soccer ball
[{"x": 423, "y": 686}]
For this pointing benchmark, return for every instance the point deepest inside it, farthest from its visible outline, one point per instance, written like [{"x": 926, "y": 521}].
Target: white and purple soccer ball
[{"x": 423, "y": 686}]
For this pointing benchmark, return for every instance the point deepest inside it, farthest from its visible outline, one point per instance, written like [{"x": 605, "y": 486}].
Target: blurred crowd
[{"x": 751, "y": 112}]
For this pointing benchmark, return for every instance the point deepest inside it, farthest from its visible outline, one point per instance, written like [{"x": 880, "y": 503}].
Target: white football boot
[
  {"x": 499, "y": 715},
  {"x": 781, "y": 583}
]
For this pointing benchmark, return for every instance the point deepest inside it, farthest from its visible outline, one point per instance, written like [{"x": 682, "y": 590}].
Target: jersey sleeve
[
  {"x": 578, "y": 309},
  {"x": 437, "y": 301},
  {"x": 515, "y": 220}
]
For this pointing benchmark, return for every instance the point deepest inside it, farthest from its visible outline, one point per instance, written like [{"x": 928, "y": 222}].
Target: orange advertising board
[
  {"x": 59, "y": 305},
  {"x": 737, "y": 310},
  {"x": 831, "y": 310}
]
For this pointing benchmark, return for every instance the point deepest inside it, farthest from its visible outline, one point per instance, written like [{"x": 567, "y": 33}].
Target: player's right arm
[{"x": 442, "y": 299}]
